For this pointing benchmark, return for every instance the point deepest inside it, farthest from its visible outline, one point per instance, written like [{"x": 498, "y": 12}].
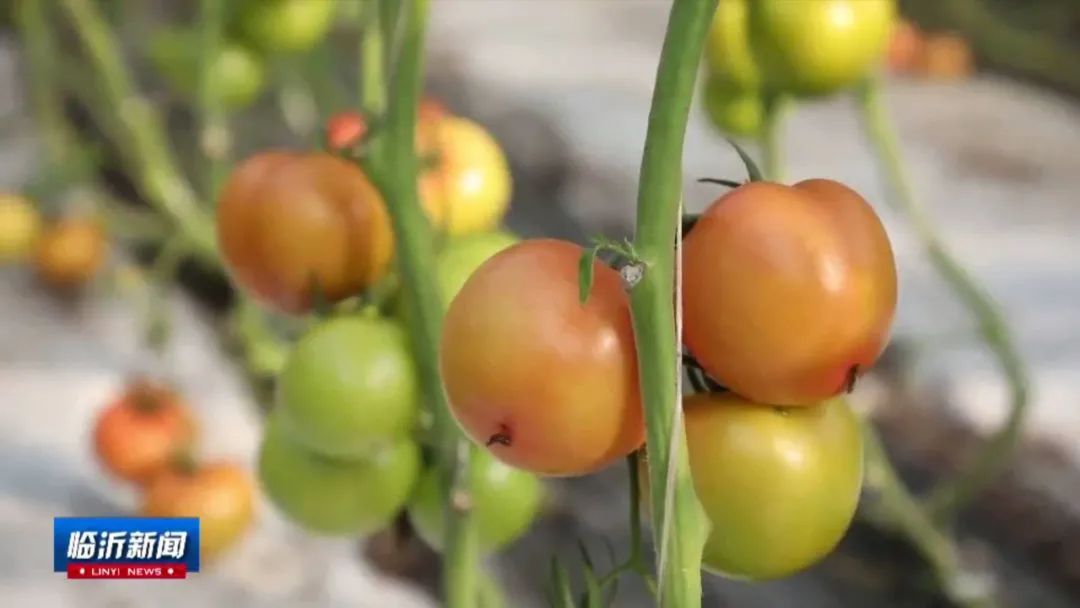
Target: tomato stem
[
  {"x": 393, "y": 166},
  {"x": 147, "y": 150},
  {"x": 776, "y": 106},
  {"x": 951, "y": 496},
  {"x": 679, "y": 524},
  {"x": 214, "y": 137}
]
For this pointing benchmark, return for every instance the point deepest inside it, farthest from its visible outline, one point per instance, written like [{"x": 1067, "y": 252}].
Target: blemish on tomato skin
[{"x": 501, "y": 437}]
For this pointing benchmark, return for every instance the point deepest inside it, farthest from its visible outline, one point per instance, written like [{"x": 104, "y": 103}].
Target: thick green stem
[
  {"x": 394, "y": 166},
  {"x": 953, "y": 495},
  {"x": 214, "y": 138},
  {"x": 372, "y": 62},
  {"x": 772, "y": 143},
  {"x": 146, "y": 147},
  {"x": 679, "y": 525},
  {"x": 904, "y": 514}
]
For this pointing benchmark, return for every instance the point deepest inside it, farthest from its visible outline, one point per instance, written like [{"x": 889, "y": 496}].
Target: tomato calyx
[
  {"x": 700, "y": 380},
  {"x": 147, "y": 395},
  {"x": 184, "y": 462},
  {"x": 623, "y": 259},
  {"x": 730, "y": 183}
]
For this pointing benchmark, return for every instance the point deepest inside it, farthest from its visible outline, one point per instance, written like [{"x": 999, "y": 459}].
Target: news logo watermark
[{"x": 125, "y": 547}]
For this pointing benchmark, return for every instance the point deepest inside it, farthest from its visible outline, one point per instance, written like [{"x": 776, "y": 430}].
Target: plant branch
[
  {"x": 394, "y": 166},
  {"x": 372, "y": 62},
  {"x": 904, "y": 514},
  {"x": 776, "y": 106},
  {"x": 147, "y": 150},
  {"x": 214, "y": 138},
  {"x": 951, "y": 496},
  {"x": 679, "y": 525}
]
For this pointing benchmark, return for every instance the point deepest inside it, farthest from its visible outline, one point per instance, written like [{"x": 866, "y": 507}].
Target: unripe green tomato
[
  {"x": 503, "y": 500},
  {"x": 727, "y": 48},
  {"x": 815, "y": 47},
  {"x": 285, "y": 26},
  {"x": 349, "y": 387},
  {"x": 236, "y": 74},
  {"x": 464, "y": 254},
  {"x": 780, "y": 486},
  {"x": 732, "y": 110},
  {"x": 336, "y": 497}
]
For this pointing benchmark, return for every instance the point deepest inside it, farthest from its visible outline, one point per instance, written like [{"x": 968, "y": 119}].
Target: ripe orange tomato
[
  {"x": 472, "y": 181},
  {"x": 139, "y": 433},
  {"x": 221, "y": 495},
  {"x": 547, "y": 384},
  {"x": 779, "y": 486},
  {"x": 788, "y": 291},
  {"x": 905, "y": 47},
  {"x": 946, "y": 57},
  {"x": 289, "y": 223},
  {"x": 70, "y": 252}
]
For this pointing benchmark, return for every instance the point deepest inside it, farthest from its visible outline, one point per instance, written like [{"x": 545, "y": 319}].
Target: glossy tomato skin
[
  {"x": 140, "y": 433},
  {"x": 547, "y": 384},
  {"x": 285, "y": 26},
  {"x": 70, "y": 252},
  {"x": 788, "y": 290},
  {"x": 728, "y": 56},
  {"x": 503, "y": 500},
  {"x": 471, "y": 178},
  {"x": 349, "y": 387},
  {"x": 336, "y": 497},
  {"x": 734, "y": 111},
  {"x": 780, "y": 487},
  {"x": 288, "y": 222},
  {"x": 818, "y": 46},
  {"x": 20, "y": 227},
  {"x": 220, "y": 494}
]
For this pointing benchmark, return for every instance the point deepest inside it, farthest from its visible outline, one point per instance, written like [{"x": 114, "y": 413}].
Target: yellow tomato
[
  {"x": 20, "y": 226},
  {"x": 471, "y": 180}
]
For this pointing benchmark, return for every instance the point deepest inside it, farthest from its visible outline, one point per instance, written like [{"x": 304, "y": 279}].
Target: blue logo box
[{"x": 125, "y": 540}]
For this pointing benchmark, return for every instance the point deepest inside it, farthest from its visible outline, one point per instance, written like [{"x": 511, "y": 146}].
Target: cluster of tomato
[
  {"x": 254, "y": 29},
  {"x": 807, "y": 48},
  {"x": 930, "y": 55},
  {"x": 788, "y": 293},
  {"x": 343, "y": 449},
  {"x": 147, "y": 436},
  {"x": 65, "y": 253}
]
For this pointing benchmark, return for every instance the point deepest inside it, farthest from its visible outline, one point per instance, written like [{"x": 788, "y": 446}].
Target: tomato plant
[
  {"x": 140, "y": 433},
  {"x": 220, "y": 494},
  {"x": 514, "y": 328},
  {"x": 504, "y": 501},
  {"x": 332, "y": 496},
  {"x": 818, "y": 46},
  {"x": 349, "y": 387},
  {"x": 290, "y": 224},
  {"x": 285, "y": 26},
  {"x": 788, "y": 291},
  {"x": 735, "y": 111},
  {"x": 20, "y": 227},
  {"x": 779, "y": 486},
  {"x": 70, "y": 252},
  {"x": 472, "y": 182}
]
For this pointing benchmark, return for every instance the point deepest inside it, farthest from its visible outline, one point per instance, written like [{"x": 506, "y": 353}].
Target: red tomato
[
  {"x": 788, "y": 291},
  {"x": 290, "y": 222},
  {"x": 138, "y": 434},
  {"x": 547, "y": 384}
]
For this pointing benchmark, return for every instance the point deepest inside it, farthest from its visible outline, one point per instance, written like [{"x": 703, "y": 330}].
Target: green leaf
[
  {"x": 752, "y": 169},
  {"x": 585, "y": 273}
]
